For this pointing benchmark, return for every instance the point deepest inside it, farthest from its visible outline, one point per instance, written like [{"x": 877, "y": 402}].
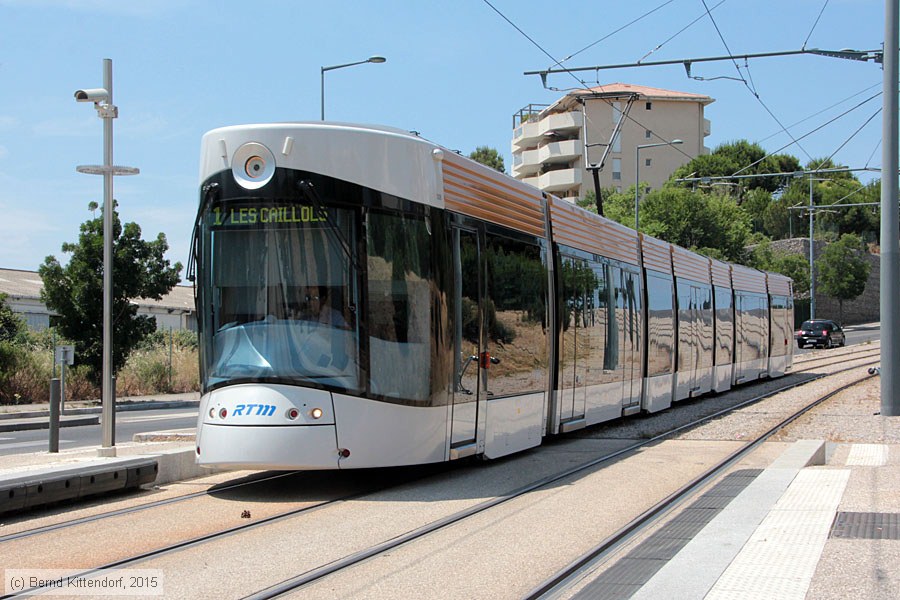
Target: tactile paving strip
[
  {"x": 629, "y": 573},
  {"x": 781, "y": 556},
  {"x": 868, "y": 455}
]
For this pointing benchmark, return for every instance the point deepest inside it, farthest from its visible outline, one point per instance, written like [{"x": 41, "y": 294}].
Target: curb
[
  {"x": 26, "y": 490},
  {"x": 47, "y": 486},
  {"x": 42, "y": 417},
  {"x": 92, "y": 410},
  {"x": 44, "y": 423}
]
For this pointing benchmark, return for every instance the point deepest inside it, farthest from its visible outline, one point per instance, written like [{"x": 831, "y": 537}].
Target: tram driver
[{"x": 317, "y": 307}]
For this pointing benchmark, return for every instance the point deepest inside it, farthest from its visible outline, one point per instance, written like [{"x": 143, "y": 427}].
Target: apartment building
[{"x": 553, "y": 145}]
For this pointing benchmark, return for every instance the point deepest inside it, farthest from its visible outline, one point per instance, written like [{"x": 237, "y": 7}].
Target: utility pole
[
  {"x": 812, "y": 255},
  {"x": 890, "y": 217}
]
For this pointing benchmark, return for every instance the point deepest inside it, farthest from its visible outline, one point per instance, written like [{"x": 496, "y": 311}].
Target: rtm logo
[{"x": 246, "y": 410}]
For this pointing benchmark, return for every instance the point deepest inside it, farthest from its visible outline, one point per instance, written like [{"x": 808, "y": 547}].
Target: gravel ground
[{"x": 856, "y": 407}]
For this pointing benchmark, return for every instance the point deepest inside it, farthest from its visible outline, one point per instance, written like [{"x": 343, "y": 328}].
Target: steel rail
[
  {"x": 355, "y": 558},
  {"x": 298, "y": 582},
  {"x": 571, "y": 573},
  {"x": 134, "y": 509}
]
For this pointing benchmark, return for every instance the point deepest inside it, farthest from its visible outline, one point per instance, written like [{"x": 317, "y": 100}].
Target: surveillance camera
[{"x": 93, "y": 95}]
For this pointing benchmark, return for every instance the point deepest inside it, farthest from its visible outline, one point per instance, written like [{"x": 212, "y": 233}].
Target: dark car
[{"x": 820, "y": 332}]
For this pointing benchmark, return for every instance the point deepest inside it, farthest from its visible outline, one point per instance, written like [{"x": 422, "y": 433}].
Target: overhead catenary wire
[
  {"x": 813, "y": 28},
  {"x": 807, "y": 134},
  {"x": 612, "y": 33},
  {"x": 682, "y": 30},
  {"x": 827, "y": 108},
  {"x": 852, "y": 135},
  {"x": 583, "y": 85},
  {"x": 749, "y": 87}
]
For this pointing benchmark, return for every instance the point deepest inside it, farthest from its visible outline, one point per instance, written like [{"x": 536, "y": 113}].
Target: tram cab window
[
  {"x": 282, "y": 297},
  {"x": 403, "y": 326}
]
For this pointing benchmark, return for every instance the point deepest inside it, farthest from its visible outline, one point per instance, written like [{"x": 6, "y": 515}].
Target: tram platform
[
  {"x": 821, "y": 521},
  {"x": 33, "y": 479}
]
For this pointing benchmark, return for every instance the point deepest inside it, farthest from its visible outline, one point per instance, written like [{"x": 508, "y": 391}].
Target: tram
[{"x": 367, "y": 298}]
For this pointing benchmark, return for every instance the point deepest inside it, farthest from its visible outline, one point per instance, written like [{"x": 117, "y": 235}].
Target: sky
[{"x": 454, "y": 73}]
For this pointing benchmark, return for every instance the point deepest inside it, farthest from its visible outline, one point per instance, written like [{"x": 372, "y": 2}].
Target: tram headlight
[{"x": 316, "y": 413}]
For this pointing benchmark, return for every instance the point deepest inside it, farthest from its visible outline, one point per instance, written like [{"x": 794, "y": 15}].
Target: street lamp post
[
  {"x": 106, "y": 110},
  {"x": 637, "y": 178},
  {"x": 371, "y": 59}
]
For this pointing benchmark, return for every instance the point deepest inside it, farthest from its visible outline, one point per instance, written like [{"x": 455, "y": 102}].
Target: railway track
[
  {"x": 560, "y": 582},
  {"x": 301, "y": 519}
]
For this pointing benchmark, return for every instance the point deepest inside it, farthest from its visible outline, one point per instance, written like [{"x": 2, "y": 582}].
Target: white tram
[{"x": 367, "y": 298}]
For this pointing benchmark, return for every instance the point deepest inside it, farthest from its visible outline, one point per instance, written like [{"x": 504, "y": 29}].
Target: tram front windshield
[{"x": 278, "y": 281}]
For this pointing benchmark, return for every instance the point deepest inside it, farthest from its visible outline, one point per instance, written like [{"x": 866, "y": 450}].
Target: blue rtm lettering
[{"x": 247, "y": 410}]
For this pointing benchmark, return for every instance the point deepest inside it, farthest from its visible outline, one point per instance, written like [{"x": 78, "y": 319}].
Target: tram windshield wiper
[{"x": 333, "y": 231}]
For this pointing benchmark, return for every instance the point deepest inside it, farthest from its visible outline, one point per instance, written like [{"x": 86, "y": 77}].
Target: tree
[
  {"x": 10, "y": 323},
  {"x": 731, "y": 157},
  {"x": 75, "y": 291},
  {"x": 707, "y": 223},
  {"x": 490, "y": 157},
  {"x": 795, "y": 266},
  {"x": 843, "y": 271}
]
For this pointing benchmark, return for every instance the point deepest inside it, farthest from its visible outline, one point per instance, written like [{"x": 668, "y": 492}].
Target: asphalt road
[
  {"x": 127, "y": 424},
  {"x": 854, "y": 335}
]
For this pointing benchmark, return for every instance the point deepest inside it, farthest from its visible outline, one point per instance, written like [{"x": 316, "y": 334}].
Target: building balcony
[
  {"x": 526, "y": 163},
  {"x": 526, "y": 134},
  {"x": 555, "y": 152},
  {"x": 531, "y": 132},
  {"x": 561, "y": 180},
  {"x": 707, "y": 127}
]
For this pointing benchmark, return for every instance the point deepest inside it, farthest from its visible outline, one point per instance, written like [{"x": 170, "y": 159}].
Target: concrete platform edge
[{"x": 698, "y": 566}]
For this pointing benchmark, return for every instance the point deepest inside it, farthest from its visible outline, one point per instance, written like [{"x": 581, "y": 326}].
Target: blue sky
[{"x": 454, "y": 73}]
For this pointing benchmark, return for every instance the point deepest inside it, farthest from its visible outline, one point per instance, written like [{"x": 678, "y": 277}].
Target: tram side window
[
  {"x": 516, "y": 316},
  {"x": 781, "y": 334},
  {"x": 400, "y": 284},
  {"x": 613, "y": 369},
  {"x": 661, "y": 326},
  {"x": 587, "y": 316},
  {"x": 705, "y": 323},
  {"x": 724, "y": 325}
]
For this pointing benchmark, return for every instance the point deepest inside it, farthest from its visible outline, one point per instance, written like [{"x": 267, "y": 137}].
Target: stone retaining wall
[{"x": 865, "y": 309}]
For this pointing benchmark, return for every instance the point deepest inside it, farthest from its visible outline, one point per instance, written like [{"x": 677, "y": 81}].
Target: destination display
[{"x": 268, "y": 215}]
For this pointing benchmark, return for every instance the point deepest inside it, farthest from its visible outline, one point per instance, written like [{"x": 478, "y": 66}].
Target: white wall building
[
  {"x": 23, "y": 288},
  {"x": 552, "y": 145}
]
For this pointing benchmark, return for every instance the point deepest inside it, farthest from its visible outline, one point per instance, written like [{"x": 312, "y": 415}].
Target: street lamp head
[
  {"x": 376, "y": 59},
  {"x": 673, "y": 142}
]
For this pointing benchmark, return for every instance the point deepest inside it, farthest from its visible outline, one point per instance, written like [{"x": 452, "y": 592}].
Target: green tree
[
  {"x": 731, "y": 157},
  {"x": 490, "y": 157},
  {"x": 843, "y": 270},
  {"x": 75, "y": 291},
  {"x": 707, "y": 223},
  {"x": 11, "y": 324},
  {"x": 795, "y": 266},
  {"x": 11, "y": 351}
]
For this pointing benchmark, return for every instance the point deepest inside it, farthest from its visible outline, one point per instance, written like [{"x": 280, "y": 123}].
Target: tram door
[{"x": 471, "y": 353}]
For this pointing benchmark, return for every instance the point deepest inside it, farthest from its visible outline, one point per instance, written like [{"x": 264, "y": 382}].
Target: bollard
[{"x": 54, "y": 414}]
